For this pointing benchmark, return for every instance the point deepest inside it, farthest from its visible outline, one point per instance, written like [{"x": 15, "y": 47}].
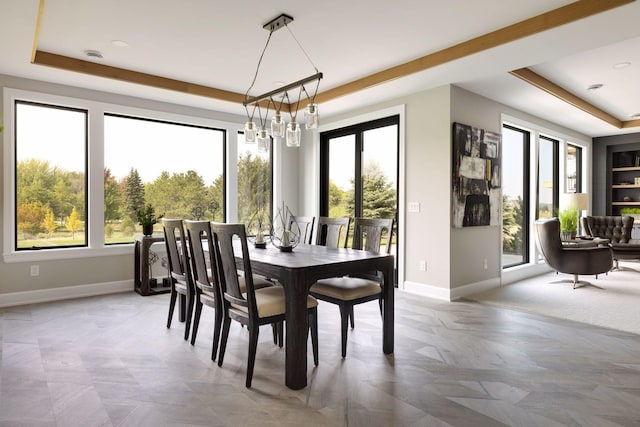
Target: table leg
[
  {"x": 296, "y": 324},
  {"x": 388, "y": 309}
]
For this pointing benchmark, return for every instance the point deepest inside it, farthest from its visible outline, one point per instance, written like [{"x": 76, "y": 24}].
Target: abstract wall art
[{"x": 476, "y": 176}]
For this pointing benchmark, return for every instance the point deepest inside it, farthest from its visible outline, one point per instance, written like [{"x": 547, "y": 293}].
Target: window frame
[
  {"x": 14, "y": 213},
  {"x": 95, "y": 169},
  {"x": 175, "y": 123},
  {"x": 526, "y": 194},
  {"x": 537, "y": 131},
  {"x": 555, "y": 170}
]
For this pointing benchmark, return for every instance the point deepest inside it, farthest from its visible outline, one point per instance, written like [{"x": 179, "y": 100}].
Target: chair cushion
[
  {"x": 346, "y": 288},
  {"x": 271, "y": 301}
]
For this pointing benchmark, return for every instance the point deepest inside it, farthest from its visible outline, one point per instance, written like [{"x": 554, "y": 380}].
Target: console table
[{"x": 142, "y": 275}]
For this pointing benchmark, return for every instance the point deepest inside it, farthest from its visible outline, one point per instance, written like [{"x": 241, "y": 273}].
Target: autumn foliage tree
[{"x": 74, "y": 223}]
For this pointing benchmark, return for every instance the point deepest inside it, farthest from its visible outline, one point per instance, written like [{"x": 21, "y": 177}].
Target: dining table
[{"x": 297, "y": 270}]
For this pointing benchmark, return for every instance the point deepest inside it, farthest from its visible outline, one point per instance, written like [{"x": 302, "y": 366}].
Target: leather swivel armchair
[{"x": 570, "y": 260}]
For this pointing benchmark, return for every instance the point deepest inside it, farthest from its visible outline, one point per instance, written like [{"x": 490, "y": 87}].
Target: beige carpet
[{"x": 613, "y": 301}]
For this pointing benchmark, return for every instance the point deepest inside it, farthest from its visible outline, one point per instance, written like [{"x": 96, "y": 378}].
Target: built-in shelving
[{"x": 625, "y": 180}]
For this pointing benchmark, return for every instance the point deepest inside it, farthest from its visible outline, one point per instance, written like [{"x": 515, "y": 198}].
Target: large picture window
[
  {"x": 50, "y": 176},
  {"x": 77, "y": 170},
  {"x": 177, "y": 169}
]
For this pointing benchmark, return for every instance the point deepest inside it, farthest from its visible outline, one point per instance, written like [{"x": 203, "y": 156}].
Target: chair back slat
[
  {"x": 368, "y": 234},
  {"x": 200, "y": 237},
  {"x": 179, "y": 267},
  {"x": 303, "y": 226},
  {"x": 224, "y": 235},
  {"x": 332, "y": 232}
]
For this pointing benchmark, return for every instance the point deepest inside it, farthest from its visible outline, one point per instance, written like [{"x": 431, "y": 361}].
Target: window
[
  {"x": 515, "y": 196},
  {"x": 255, "y": 187},
  {"x": 176, "y": 168},
  {"x": 50, "y": 176},
  {"x": 548, "y": 182},
  {"x": 553, "y": 166},
  {"x": 67, "y": 164},
  {"x": 574, "y": 169},
  {"x": 359, "y": 167}
]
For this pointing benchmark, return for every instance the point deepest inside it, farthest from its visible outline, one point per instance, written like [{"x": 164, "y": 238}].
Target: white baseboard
[
  {"x": 445, "y": 294},
  {"x": 67, "y": 292}
]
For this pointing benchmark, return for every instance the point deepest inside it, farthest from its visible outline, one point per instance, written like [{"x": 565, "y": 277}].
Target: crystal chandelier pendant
[
  {"x": 293, "y": 134},
  {"x": 250, "y": 132},
  {"x": 263, "y": 140},
  {"x": 277, "y": 126},
  {"x": 311, "y": 116}
]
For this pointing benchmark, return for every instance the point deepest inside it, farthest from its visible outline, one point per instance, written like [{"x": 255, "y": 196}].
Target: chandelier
[{"x": 278, "y": 98}]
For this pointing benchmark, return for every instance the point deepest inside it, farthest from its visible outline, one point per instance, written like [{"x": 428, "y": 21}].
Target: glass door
[{"x": 359, "y": 172}]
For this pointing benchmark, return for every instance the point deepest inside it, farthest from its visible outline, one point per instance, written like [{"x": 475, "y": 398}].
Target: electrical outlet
[
  {"x": 35, "y": 270},
  {"x": 486, "y": 264},
  {"x": 423, "y": 265}
]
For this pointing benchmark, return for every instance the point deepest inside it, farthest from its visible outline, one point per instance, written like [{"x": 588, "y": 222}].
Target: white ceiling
[{"x": 217, "y": 43}]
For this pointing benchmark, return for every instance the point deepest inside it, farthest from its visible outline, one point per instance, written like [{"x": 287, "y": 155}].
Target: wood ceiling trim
[
  {"x": 554, "y": 18},
  {"x": 36, "y": 36},
  {"x": 551, "y": 88},
  {"x": 563, "y": 15},
  {"x": 100, "y": 70},
  {"x": 631, "y": 124},
  {"x": 559, "y": 92}
]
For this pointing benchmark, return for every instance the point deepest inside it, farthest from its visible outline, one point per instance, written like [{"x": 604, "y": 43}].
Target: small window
[
  {"x": 254, "y": 187},
  {"x": 50, "y": 176}
]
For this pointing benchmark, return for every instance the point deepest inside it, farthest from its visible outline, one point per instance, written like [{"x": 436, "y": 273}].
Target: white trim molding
[
  {"x": 446, "y": 294},
  {"x": 68, "y": 292}
]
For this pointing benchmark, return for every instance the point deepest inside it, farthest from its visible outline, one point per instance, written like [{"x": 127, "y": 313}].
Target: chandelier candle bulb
[
  {"x": 277, "y": 126},
  {"x": 263, "y": 140},
  {"x": 311, "y": 116},
  {"x": 249, "y": 132},
  {"x": 293, "y": 134}
]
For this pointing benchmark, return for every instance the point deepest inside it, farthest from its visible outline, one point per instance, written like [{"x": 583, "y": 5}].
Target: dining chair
[
  {"x": 255, "y": 307},
  {"x": 179, "y": 271},
  {"x": 205, "y": 279},
  {"x": 205, "y": 276},
  {"x": 349, "y": 291},
  {"x": 332, "y": 232},
  {"x": 303, "y": 226}
]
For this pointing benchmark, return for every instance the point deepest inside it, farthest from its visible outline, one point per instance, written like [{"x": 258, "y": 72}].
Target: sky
[{"x": 376, "y": 148}]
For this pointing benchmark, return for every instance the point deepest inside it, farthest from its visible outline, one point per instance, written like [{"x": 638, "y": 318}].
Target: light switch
[{"x": 414, "y": 207}]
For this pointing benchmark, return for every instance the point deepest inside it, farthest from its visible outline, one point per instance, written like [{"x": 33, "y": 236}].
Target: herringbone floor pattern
[{"x": 110, "y": 361}]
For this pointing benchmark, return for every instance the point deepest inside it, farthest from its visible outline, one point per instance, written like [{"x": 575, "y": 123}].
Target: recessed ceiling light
[
  {"x": 93, "y": 54},
  {"x": 634, "y": 116},
  {"x": 119, "y": 43},
  {"x": 595, "y": 87},
  {"x": 621, "y": 65}
]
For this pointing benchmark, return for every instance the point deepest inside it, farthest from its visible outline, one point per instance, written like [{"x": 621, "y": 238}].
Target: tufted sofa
[{"x": 618, "y": 230}]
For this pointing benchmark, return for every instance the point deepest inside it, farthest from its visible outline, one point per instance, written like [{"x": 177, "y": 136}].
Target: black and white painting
[{"x": 476, "y": 176}]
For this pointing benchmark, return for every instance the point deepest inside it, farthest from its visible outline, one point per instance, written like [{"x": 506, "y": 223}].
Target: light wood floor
[{"x": 111, "y": 361}]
